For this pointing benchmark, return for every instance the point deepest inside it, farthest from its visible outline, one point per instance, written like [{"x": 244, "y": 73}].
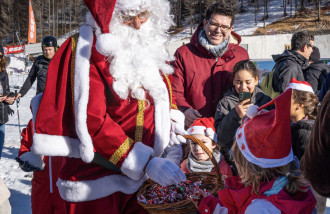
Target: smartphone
[{"x": 245, "y": 96}]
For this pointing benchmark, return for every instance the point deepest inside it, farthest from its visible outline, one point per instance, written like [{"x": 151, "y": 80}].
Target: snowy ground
[{"x": 13, "y": 177}]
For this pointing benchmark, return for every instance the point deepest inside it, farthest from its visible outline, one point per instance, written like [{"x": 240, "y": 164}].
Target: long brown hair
[
  {"x": 3, "y": 64},
  {"x": 309, "y": 100},
  {"x": 252, "y": 174}
]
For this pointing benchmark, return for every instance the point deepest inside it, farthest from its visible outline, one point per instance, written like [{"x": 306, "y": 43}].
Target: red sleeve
[
  {"x": 209, "y": 204},
  {"x": 179, "y": 82},
  {"x": 27, "y": 139},
  {"x": 107, "y": 136}
]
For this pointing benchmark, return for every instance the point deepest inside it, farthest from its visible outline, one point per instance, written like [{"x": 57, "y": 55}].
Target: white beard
[{"x": 136, "y": 66}]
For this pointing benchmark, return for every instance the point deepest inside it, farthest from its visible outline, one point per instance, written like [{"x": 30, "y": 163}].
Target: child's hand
[
  {"x": 201, "y": 194},
  {"x": 241, "y": 108}
]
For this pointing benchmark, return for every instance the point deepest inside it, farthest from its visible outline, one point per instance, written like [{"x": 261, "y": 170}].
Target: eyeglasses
[
  {"x": 223, "y": 28},
  {"x": 143, "y": 15},
  {"x": 312, "y": 46}
]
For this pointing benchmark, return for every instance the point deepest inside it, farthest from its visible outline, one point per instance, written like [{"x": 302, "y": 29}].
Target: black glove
[
  {"x": 25, "y": 166},
  {"x": 10, "y": 111}
]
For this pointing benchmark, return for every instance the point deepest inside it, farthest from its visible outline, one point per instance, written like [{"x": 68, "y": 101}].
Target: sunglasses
[{"x": 312, "y": 46}]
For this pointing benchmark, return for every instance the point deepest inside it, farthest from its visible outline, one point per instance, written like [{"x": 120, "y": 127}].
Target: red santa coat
[
  {"x": 80, "y": 113},
  {"x": 45, "y": 198}
]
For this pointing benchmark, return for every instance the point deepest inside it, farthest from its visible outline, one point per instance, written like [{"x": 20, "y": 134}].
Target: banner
[
  {"x": 13, "y": 49},
  {"x": 32, "y": 26}
]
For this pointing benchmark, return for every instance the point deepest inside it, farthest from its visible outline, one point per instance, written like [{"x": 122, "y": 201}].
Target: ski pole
[{"x": 19, "y": 123}]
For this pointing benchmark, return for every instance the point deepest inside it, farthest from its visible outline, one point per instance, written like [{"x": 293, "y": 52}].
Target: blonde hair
[{"x": 252, "y": 174}]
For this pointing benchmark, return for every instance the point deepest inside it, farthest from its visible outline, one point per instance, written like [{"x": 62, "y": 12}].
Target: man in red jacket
[
  {"x": 204, "y": 66},
  {"x": 109, "y": 110}
]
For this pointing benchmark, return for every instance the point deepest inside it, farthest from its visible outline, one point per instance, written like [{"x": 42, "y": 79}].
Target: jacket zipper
[{"x": 50, "y": 175}]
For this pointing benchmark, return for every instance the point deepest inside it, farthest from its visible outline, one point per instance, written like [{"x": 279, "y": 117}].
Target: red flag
[{"x": 32, "y": 37}]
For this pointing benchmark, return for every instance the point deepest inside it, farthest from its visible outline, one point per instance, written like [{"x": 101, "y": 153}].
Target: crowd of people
[{"x": 116, "y": 105}]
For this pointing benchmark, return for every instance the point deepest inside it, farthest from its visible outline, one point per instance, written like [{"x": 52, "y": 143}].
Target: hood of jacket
[
  {"x": 291, "y": 55},
  {"x": 234, "y": 39},
  {"x": 320, "y": 66}
]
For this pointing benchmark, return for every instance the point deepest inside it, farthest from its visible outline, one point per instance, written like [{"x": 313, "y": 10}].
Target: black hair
[
  {"x": 221, "y": 9},
  {"x": 246, "y": 65},
  {"x": 312, "y": 38},
  {"x": 299, "y": 40}
]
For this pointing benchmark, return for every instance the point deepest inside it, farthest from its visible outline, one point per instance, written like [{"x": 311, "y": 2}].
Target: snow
[{"x": 245, "y": 22}]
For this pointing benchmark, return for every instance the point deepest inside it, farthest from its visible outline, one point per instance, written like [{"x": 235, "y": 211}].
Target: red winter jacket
[
  {"x": 200, "y": 80},
  {"x": 237, "y": 198}
]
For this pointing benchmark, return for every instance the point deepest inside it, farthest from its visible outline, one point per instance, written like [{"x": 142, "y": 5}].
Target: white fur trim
[
  {"x": 162, "y": 123},
  {"x": 252, "y": 111},
  {"x": 81, "y": 91},
  {"x": 204, "y": 131},
  {"x": 107, "y": 44},
  {"x": 262, "y": 162},
  {"x": 33, "y": 159},
  {"x": 35, "y": 102},
  {"x": 211, "y": 134},
  {"x": 78, "y": 191},
  {"x": 196, "y": 130},
  {"x": 177, "y": 116},
  {"x": 126, "y": 5},
  {"x": 300, "y": 87},
  {"x": 136, "y": 160},
  {"x": 53, "y": 145}
]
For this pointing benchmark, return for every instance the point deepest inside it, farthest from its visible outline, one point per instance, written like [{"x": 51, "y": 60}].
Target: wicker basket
[{"x": 210, "y": 181}]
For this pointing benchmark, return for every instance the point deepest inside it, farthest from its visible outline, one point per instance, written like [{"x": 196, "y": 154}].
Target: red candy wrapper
[{"x": 171, "y": 194}]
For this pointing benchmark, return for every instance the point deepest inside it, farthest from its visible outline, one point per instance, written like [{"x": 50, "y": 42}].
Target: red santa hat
[
  {"x": 204, "y": 126},
  {"x": 265, "y": 140},
  {"x": 102, "y": 10},
  {"x": 300, "y": 85}
]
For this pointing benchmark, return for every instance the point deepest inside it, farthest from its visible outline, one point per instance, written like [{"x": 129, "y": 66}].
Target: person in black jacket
[
  {"x": 4, "y": 99},
  {"x": 325, "y": 88},
  {"x": 316, "y": 73},
  {"x": 292, "y": 62},
  {"x": 230, "y": 112},
  {"x": 40, "y": 67}
]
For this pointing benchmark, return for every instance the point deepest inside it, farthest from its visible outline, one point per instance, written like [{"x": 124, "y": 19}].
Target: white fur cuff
[
  {"x": 136, "y": 160},
  {"x": 79, "y": 191},
  {"x": 177, "y": 116},
  {"x": 53, "y": 145},
  {"x": 33, "y": 159}
]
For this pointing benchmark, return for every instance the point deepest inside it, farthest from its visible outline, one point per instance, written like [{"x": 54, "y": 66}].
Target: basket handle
[{"x": 209, "y": 153}]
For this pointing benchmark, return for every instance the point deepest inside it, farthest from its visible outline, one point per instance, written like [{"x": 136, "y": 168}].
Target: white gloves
[
  {"x": 173, "y": 154},
  {"x": 175, "y": 139},
  {"x": 164, "y": 172}
]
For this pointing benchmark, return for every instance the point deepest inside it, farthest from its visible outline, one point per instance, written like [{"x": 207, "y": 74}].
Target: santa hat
[
  {"x": 204, "y": 126},
  {"x": 300, "y": 85},
  {"x": 265, "y": 140},
  {"x": 102, "y": 10}
]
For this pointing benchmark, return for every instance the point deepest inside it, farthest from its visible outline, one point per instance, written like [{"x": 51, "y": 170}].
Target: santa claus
[{"x": 108, "y": 108}]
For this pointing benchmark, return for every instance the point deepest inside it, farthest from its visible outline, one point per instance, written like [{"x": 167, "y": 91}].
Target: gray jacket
[{"x": 227, "y": 120}]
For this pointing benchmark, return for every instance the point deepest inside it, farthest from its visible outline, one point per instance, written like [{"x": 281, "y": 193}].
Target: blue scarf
[{"x": 216, "y": 50}]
